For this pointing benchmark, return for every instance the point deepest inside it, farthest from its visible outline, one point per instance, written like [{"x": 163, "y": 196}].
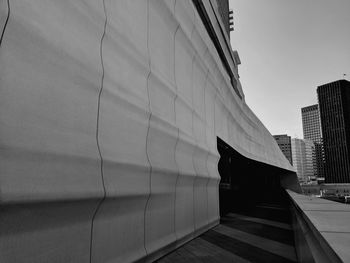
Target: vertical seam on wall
[
  {"x": 97, "y": 131},
  {"x": 6, "y": 21},
  {"x": 216, "y": 140},
  {"x": 205, "y": 130},
  {"x": 219, "y": 179},
  {"x": 178, "y": 129},
  {"x": 147, "y": 135},
  {"x": 193, "y": 113}
]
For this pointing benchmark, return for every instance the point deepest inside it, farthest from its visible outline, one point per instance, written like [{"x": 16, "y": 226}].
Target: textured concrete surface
[
  {"x": 330, "y": 222},
  {"x": 110, "y": 112}
]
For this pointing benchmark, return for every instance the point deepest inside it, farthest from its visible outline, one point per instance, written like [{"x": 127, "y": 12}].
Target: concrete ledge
[{"x": 321, "y": 227}]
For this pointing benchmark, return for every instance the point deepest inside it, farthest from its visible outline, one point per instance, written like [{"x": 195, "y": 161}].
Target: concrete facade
[
  {"x": 110, "y": 113},
  {"x": 321, "y": 229},
  {"x": 223, "y": 8}
]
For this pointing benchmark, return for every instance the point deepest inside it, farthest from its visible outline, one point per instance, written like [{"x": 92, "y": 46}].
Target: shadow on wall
[{"x": 244, "y": 181}]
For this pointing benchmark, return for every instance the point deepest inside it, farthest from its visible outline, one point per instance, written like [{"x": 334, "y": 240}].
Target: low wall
[{"x": 321, "y": 227}]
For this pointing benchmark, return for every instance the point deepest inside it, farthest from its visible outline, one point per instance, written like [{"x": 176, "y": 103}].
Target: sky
[{"x": 287, "y": 49}]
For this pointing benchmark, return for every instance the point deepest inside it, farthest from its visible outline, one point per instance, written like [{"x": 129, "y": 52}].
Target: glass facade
[
  {"x": 304, "y": 160},
  {"x": 312, "y": 131},
  {"x": 284, "y": 142},
  {"x": 334, "y": 102}
]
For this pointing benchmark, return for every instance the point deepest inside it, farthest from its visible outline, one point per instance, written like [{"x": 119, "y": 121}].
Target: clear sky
[{"x": 287, "y": 49}]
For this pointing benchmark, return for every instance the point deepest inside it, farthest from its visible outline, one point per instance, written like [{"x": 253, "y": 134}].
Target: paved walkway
[{"x": 262, "y": 234}]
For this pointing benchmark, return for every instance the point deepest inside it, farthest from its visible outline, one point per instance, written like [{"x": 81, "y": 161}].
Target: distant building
[
  {"x": 304, "y": 159},
  {"x": 310, "y": 160},
  {"x": 311, "y": 123},
  {"x": 334, "y": 103},
  {"x": 284, "y": 142},
  {"x": 297, "y": 155},
  {"x": 312, "y": 131}
]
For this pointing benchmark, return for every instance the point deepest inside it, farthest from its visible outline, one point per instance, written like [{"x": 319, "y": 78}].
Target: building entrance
[{"x": 245, "y": 182}]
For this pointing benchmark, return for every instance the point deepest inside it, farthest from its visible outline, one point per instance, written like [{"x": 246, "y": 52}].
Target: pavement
[{"x": 262, "y": 233}]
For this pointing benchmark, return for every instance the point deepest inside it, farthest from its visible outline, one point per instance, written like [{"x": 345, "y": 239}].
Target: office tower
[
  {"x": 334, "y": 103},
  {"x": 284, "y": 142},
  {"x": 310, "y": 160},
  {"x": 311, "y": 123},
  {"x": 297, "y": 156},
  {"x": 312, "y": 131},
  {"x": 304, "y": 159}
]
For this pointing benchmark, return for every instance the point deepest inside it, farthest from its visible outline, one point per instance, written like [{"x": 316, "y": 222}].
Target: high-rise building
[
  {"x": 297, "y": 155},
  {"x": 304, "y": 159},
  {"x": 284, "y": 142},
  {"x": 310, "y": 160},
  {"x": 334, "y": 103},
  {"x": 312, "y": 131},
  {"x": 311, "y": 123}
]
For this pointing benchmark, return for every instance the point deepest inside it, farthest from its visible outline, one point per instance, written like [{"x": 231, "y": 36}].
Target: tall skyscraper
[
  {"x": 311, "y": 123},
  {"x": 334, "y": 103},
  {"x": 284, "y": 142},
  {"x": 312, "y": 131},
  {"x": 304, "y": 159}
]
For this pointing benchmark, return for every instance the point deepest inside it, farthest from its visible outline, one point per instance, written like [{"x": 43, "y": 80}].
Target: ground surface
[{"x": 262, "y": 233}]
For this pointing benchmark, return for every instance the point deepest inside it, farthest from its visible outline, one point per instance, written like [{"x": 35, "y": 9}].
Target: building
[
  {"x": 310, "y": 160},
  {"x": 312, "y": 131},
  {"x": 334, "y": 104},
  {"x": 304, "y": 159},
  {"x": 284, "y": 142},
  {"x": 111, "y": 113},
  {"x": 223, "y": 8},
  {"x": 311, "y": 123},
  {"x": 297, "y": 156}
]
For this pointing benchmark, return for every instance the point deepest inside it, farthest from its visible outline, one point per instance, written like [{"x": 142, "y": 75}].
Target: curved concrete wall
[{"x": 109, "y": 117}]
